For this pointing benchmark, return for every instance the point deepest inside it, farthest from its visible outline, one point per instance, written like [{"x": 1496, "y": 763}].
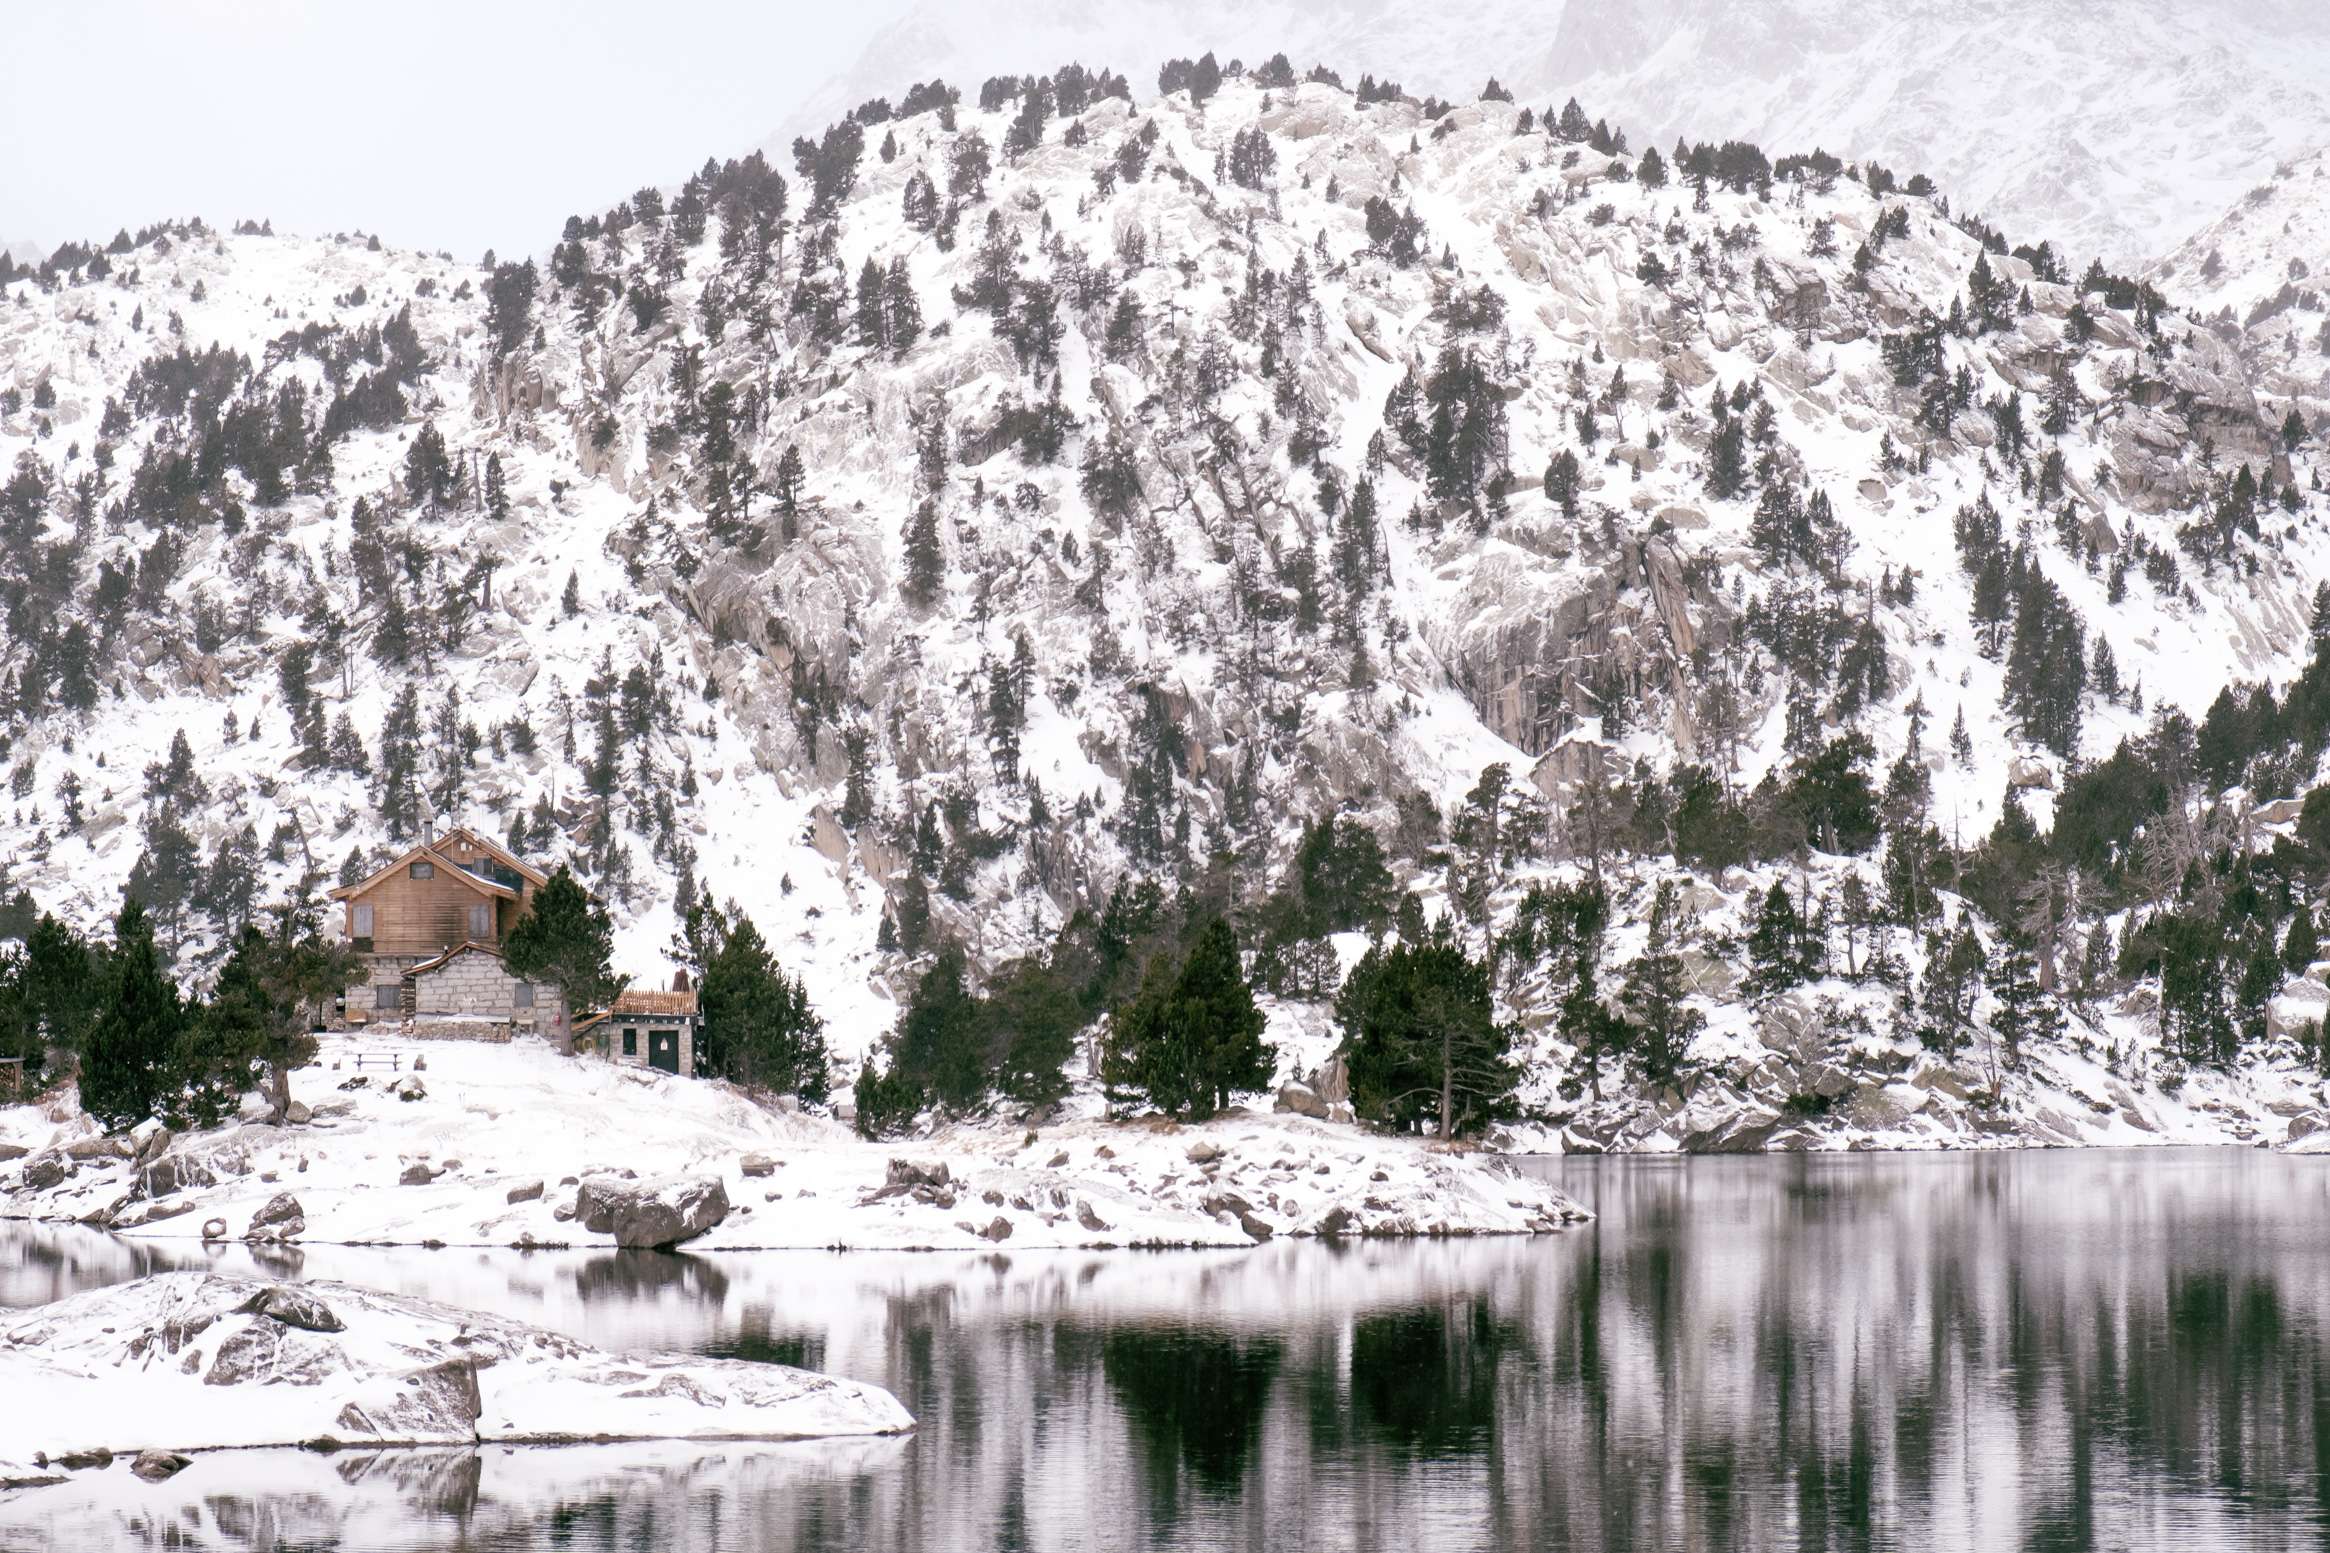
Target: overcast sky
[{"x": 435, "y": 124}]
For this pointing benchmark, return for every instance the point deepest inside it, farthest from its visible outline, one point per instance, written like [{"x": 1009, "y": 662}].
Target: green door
[{"x": 663, "y": 1050}]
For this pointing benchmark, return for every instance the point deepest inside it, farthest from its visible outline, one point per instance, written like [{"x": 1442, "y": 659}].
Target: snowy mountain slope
[
  {"x": 1249, "y": 657},
  {"x": 2113, "y": 129},
  {"x": 2260, "y": 276}
]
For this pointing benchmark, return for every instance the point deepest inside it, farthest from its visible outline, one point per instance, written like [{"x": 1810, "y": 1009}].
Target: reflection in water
[
  {"x": 1194, "y": 1401},
  {"x": 2033, "y": 1351},
  {"x": 1424, "y": 1382}
]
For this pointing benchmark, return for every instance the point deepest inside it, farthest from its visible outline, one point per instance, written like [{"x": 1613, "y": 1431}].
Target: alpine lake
[{"x": 2078, "y": 1349}]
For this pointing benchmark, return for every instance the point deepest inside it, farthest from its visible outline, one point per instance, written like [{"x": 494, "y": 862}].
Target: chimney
[{"x": 679, "y": 981}]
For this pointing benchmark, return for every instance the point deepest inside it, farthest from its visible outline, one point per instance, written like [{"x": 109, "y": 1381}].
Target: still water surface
[{"x": 2075, "y": 1350}]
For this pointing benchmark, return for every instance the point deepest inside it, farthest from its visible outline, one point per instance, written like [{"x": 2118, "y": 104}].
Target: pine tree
[
  {"x": 1953, "y": 980},
  {"x": 919, "y": 207},
  {"x": 759, "y": 1029},
  {"x": 937, "y": 1046},
  {"x": 968, "y": 167},
  {"x": 1192, "y": 1037},
  {"x": 2027, "y": 1015},
  {"x": 400, "y": 765},
  {"x": 1563, "y": 478},
  {"x": 57, "y": 988},
  {"x": 428, "y": 470},
  {"x": 130, "y": 1061},
  {"x": 902, "y": 311},
  {"x": 886, "y": 1102},
  {"x": 1031, "y": 1018},
  {"x": 1780, "y": 948},
  {"x": 2261, "y": 978},
  {"x": 497, "y": 491},
  {"x": 1727, "y": 473},
  {"x": 566, "y": 938},
  {"x": 872, "y": 320},
  {"x": 1656, "y": 992},
  {"x": 217, "y": 1058},
  {"x": 1205, "y": 78},
  {"x": 1422, "y": 1038},
  {"x": 294, "y": 972},
  {"x": 925, "y": 578},
  {"x": 2299, "y": 947}
]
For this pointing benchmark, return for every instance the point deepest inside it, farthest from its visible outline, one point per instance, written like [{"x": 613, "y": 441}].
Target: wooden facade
[{"x": 455, "y": 889}]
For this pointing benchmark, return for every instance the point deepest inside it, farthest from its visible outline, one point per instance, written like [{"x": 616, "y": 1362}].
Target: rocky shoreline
[
  {"x": 1800, "y": 1086},
  {"x": 480, "y": 1149},
  {"x": 191, "y": 1361}
]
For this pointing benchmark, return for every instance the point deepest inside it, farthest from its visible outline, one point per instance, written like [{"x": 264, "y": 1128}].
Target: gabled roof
[
  {"x": 427, "y": 852},
  {"x": 441, "y": 961},
  {"x": 499, "y": 854}
]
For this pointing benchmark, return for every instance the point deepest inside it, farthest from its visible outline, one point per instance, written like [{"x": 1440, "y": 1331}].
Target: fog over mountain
[{"x": 2113, "y": 126}]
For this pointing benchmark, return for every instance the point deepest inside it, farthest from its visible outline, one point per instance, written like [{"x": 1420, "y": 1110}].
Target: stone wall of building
[
  {"x": 471, "y": 996},
  {"x": 610, "y": 1033},
  {"x": 377, "y": 971},
  {"x": 473, "y": 983}
]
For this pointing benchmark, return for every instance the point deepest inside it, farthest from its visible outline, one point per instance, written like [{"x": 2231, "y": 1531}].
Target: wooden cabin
[
  {"x": 449, "y": 892},
  {"x": 458, "y": 888},
  {"x": 645, "y": 1029}
]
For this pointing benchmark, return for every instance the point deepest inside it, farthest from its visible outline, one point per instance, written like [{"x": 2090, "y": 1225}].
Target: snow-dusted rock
[
  {"x": 195, "y": 1360},
  {"x": 661, "y": 1212},
  {"x": 159, "y": 1466},
  {"x": 281, "y": 1219},
  {"x": 1301, "y": 1100}
]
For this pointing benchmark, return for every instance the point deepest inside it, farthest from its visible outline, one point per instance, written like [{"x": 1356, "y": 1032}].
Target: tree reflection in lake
[
  {"x": 2043, "y": 1351},
  {"x": 1194, "y": 1401}
]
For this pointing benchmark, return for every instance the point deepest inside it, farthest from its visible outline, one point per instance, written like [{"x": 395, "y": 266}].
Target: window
[
  {"x": 388, "y": 995},
  {"x": 630, "y": 1043},
  {"x": 481, "y": 921},
  {"x": 363, "y": 922},
  {"x": 522, "y": 994},
  {"x": 423, "y": 870}
]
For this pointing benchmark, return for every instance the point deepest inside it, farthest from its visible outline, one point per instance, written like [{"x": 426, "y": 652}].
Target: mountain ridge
[{"x": 1115, "y": 396}]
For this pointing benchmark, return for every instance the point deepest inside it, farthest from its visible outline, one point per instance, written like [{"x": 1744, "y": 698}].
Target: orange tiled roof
[{"x": 653, "y": 1004}]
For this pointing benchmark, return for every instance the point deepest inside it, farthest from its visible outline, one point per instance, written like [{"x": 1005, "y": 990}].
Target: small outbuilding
[{"x": 647, "y": 1029}]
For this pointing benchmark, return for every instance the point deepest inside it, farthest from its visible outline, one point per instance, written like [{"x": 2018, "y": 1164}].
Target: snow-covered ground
[
  {"x": 200, "y": 1361},
  {"x": 499, "y": 1120}
]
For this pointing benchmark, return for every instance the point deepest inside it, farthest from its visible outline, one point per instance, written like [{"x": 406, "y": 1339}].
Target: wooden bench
[{"x": 390, "y": 1060}]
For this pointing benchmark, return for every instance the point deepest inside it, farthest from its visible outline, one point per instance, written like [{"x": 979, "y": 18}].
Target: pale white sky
[{"x": 435, "y": 124}]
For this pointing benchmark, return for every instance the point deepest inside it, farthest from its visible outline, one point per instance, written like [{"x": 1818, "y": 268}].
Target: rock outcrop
[
  {"x": 651, "y": 1214},
  {"x": 192, "y": 1360}
]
